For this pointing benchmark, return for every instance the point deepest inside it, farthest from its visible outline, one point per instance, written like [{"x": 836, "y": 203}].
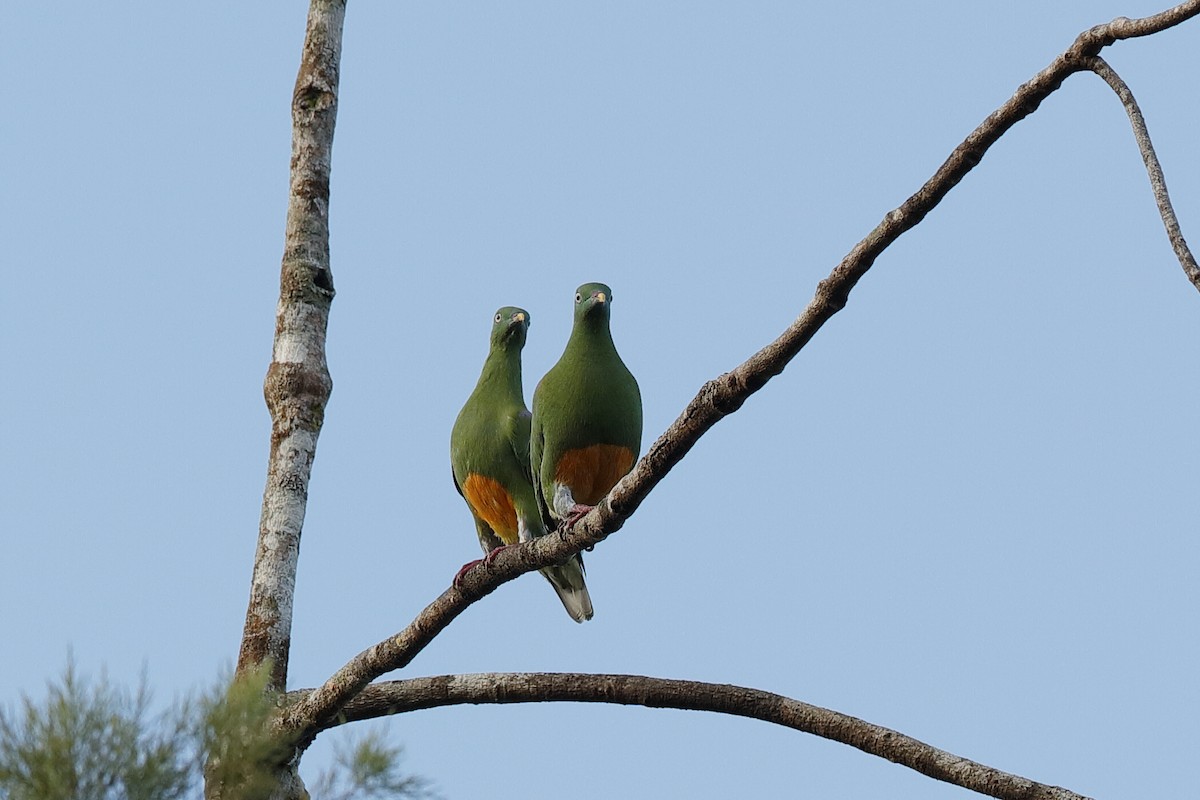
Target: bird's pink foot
[
  {"x": 577, "y": 512},
  {"x": 490, "y": 557},
  {"x": 463, "y": 571},
  {"x": 486, "y": 561}
]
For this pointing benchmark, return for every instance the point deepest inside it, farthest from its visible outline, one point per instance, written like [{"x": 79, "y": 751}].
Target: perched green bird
[
  {"x": 587, "y": 416},
  {"x": 489, "y": 457}
]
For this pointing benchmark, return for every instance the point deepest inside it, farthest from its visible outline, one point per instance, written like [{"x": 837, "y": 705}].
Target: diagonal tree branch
[
  {"x": 719, "y": 397},
  {"x": 298, "y": 384},
  {"x": 395, "y": 697},
  {"x": 1158, "y": 182}
]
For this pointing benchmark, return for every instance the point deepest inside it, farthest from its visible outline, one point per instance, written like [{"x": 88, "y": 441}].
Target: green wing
[
  {"x": 537, "y": 452},
  {"x": 519, "y": 429}
]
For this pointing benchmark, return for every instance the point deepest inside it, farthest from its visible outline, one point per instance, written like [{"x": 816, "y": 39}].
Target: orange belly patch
[
  {"x": 491, "y": 502},
  {"x": 591, "y": 471}
]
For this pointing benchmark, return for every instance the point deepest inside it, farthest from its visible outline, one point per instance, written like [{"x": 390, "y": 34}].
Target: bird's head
[
  {"x": 509, "y": 326},
  {"x": 593, "y": 302}
]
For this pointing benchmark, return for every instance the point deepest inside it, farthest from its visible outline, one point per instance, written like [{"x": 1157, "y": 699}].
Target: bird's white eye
[
  {"x": 499, "y": 316},
  {"x": 578, "y": 297}
]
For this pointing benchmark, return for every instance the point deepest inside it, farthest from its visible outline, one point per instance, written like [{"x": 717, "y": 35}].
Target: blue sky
[{"x": 966, "y": 511}]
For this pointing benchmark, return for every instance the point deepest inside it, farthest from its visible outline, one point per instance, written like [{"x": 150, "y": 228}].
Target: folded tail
[{"x": 567, "y": 580}]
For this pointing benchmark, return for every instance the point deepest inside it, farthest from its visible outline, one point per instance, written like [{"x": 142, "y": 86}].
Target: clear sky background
[{"x": 967, "y": 510}]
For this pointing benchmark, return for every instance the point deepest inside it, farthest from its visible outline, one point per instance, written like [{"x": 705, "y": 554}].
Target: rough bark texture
[
  {"x": 395, "y": 697},
  {"x": 297, "y": 385},
  {"x": 719, "y": 397}
]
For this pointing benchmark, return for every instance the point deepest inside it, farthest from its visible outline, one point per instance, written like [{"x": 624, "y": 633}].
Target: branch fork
[{"x": 298, "y": 387}]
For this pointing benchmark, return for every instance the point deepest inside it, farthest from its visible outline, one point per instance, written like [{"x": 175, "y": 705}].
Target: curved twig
[
  {"x": 719, "y": 397},
  {"x": 395, "y": 697},
  {"x": 1158, "y": 182}
]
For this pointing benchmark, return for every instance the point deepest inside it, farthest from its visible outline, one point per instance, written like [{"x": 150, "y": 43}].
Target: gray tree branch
[
  {"x": 298, "y": 384},
  {"x": 1158, "y": 182},
  {"x": 395, "y": 697},
  {"x": 719, "y": 397}
]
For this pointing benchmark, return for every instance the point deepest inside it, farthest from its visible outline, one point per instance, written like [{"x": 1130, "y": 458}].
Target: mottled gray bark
[
  {"x": 298, "y": 385},
  {"x": 396, "y": 697}
]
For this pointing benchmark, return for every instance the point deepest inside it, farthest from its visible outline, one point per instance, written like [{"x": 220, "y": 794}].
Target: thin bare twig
[
  {"x": 394, "y": 697},
  {"x": 719, "y": 397},
  {"x": 1158, "y": 182}
]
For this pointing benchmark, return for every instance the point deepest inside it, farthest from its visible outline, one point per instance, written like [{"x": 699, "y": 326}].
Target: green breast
[{"x": 589, "y": 397}]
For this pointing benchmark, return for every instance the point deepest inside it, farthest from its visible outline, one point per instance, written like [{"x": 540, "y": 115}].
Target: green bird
[
  {"x": 489, "y": 458},
  {"x": 587, "y": 416}
]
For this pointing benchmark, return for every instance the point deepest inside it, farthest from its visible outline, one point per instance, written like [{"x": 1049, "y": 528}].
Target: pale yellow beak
[
  {"x": 601, "y": 297},
  {"x": 519, "y": 316}
]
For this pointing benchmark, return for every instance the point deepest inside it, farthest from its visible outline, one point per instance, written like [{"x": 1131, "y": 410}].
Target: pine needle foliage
[
  {"x": 90, "y": 739},
  {"x": 368, "y": 768}
]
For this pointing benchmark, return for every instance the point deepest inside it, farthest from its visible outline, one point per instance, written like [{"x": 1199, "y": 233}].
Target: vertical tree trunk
[{"x": 297, "y": 385}]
